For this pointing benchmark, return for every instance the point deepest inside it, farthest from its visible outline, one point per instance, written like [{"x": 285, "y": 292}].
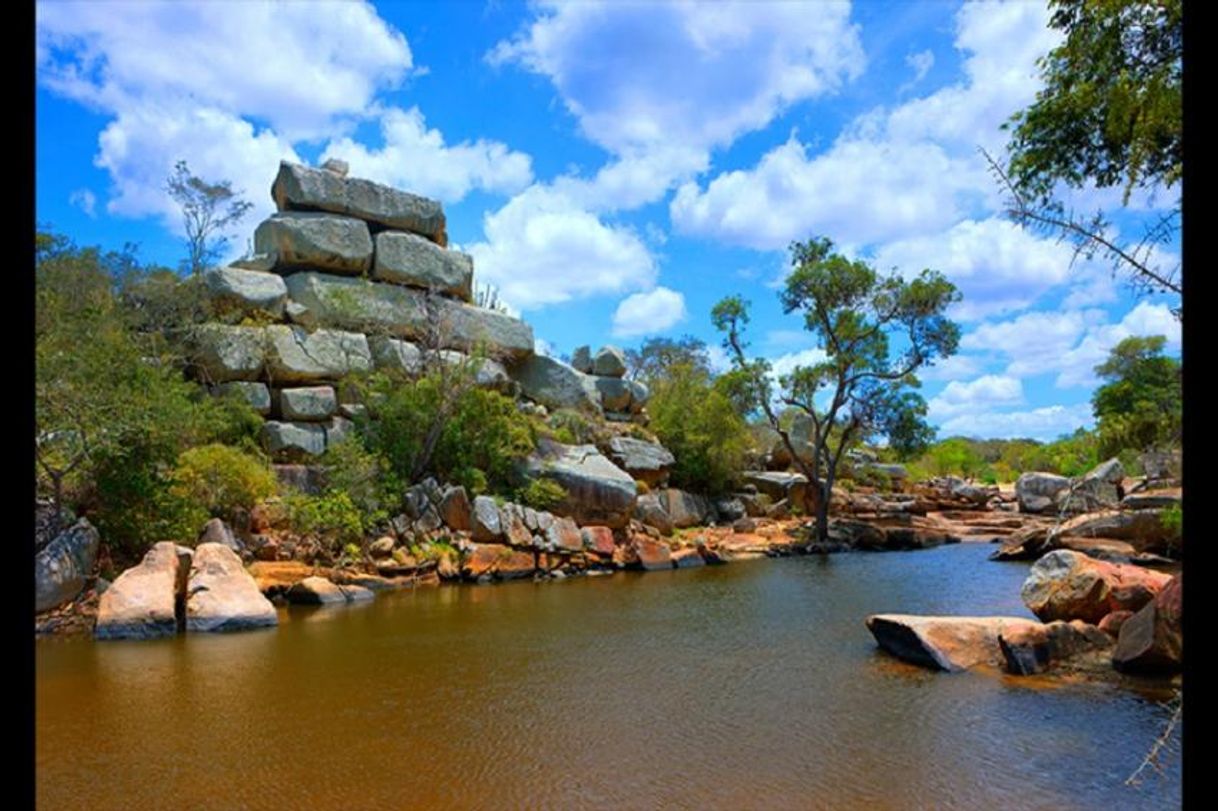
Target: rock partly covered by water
[
  {"x": 140, "y": 603},
  {"x": 945, "y": 643},
  {"x": 1066, "y": 585},
  {"x": 1034, "y": 649},
  {"x": 62, "y": 566},
  {"x": 221, "y": 595}
]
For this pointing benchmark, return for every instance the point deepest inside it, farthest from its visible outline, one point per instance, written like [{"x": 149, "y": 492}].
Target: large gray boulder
[
  {"x": 221, "y": 353},
  {"x": 293, "y": 440},
  {"x": 554, "y": 384},
  {"x": 295, "y": 355},
  {"x": 312, "y": 240},
  {"x": 1037, "y": 492},
  {"x": 615, "y": 393},
  {"x": 300, "y": 188},
  {"x": 597, "y": 491},
  {"x": 246, "y": 290},
  {"x": 650, "y": 511},
  {"x": 222, "y": 596},
  {"x": 61, "y": 567},
  {"x": 686, "y": 509},
  {"x": 394, "y": 354},
  {"x": 257, "y": 395},
  {"x": 411, "y": 260},
  {"x": 405, "y": 312},
  {"x": 307, "y": 403},
  {"x": 609, "y": 361},
  {"x": 140, "y": 603},
  {"x": 581, "y": 359},
  {"x": 648, "y": 461}
]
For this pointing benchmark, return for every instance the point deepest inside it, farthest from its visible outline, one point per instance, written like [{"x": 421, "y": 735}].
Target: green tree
[
  {"x": 1140, "y": 407},
  {"x": 1111, "y": 114},
  {"x": 207, "y": 210},
  {"x": 864, "y": 388},
  {"x": 697, "y": 421},
  {"x": 656, "y": 356}
]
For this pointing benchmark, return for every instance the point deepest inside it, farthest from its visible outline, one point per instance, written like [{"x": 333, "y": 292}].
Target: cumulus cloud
[
  {"x": 983, "y": 394},
  {"x": 648, "y": 313},
  {"x": 894, "y": 173},
  {"x": 785, "y": 364},
  {"x": 955, "y": 367},
  {"x": 1045, "y": 423},
  {"x": 641, "y": 77},
  {"x": 1077, "y": 366},
  {"x": 541, "y": 248},
  {"x": 920, "y": 63},
  {"x": 417, "y": 158}
]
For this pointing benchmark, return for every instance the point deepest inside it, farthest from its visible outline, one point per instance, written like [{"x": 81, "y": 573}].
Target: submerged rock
[{"x": 1034, "y": 649}]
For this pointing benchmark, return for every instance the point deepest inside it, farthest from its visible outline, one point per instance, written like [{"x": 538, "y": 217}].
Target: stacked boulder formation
[{"x": 351, "y": 276}]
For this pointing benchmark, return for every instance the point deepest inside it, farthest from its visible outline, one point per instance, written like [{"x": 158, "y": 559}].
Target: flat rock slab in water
[{"x": 945, "y": 643}]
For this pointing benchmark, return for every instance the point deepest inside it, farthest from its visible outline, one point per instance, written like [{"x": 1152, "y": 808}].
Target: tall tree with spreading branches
[
  {"x": 876, "y": 332},
  {"x": 1111, "y": 115},
  {"x": 208, "y": 209}
]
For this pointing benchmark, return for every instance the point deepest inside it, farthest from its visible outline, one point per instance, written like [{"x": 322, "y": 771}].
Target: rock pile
[{"x": 351, "y": 276}]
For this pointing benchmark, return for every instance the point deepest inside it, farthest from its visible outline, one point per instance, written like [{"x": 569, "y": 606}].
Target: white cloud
[
  {"x": 641, "y": 77},
  {"x": 920, "y": 63},
  {"x": 720, "y": 361},
  {"x": 785, "y": 364},
  {"x": 416, "y": 158},
  {"x": 291, "y": 65},
  {"x": 891, "y": 174},
  {"x": 85, "y": 200},
  {"x": 1044, "y": 424},
  {"x": 955, "y": 367},
  {"x": 984, "y": 393},
  {"x": 998, "y": 266},
  {"x": 541, "y": 248},
  {"x": 1077, "y": 366},
  {"x": 543, "y": 347},
  {"x": 648, "y": 313}
]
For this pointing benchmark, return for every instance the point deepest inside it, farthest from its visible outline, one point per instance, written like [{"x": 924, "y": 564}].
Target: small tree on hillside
[
  {"x": 855, "y": 313},
  {"x": 207, "y": 210},
  {"x": 1140, "y": 407}
]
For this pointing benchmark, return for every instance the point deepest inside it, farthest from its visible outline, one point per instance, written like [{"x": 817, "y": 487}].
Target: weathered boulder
[
  {"x": 293, "y": 440},
  {"x": 1026, "y": 543},
  {"x": 246, "y": 291},
  {"x": 1066, "y": 585},
  {"x": 639, "y": 395},
  {"x": 687, "y": 558},
  {"x": 685, "y": 509},
  {"x": 486, "y": 523},
  {"x": 1111, "y": 623},
  {"x": 221, "y": 353},
  {"x": 554, "y": 384},
  {"x": 597, "y": 492},
  {"x": 1085, "y": 495},
  {"x": 563, "y": 535},
  {"x": 1152, "y": 499},
  {"x": 609, "y": 361},
  {"x": 140, "y": 603},
  {"x": 1152, "y": 640},
  {"x": 650, "y": 555},
  {"x": 307, "y": 403},
  {"x": 256, "y": 394},
  {"x": 496, "y": 560},
  {"x": 216, "y": 531},
  {"x": 598, "y": 540},
  {"x": 793, "y": 487},
  {"x": 1036, "y": 491},
  {"x": 295, "y": 355},
  {"x": 315, "y": 591},
  {"x": 515, "y": 531},
  {"x": 61, "y": 567},
  {"x": 1142, "y": 528},
  {"x": 396, "y": 355},
  {"x": 1033, "y": 649},
  {"x": 650, "y": 511},
  {"x": 382, "y": 547},
  {"x": 648, "y": 461},
  {"x": 301, "y": 188},
  {"x": 455, "y": 510},
  {"x": 221, "y": 595},
  {"x": 417, "y": 262},
  {"x": 581, "y": 359},
  {"x": 314, "y": 240},
  {"x": 730, "y": 509},
  {"x": 944, "y": 643},
  {"x": 614, "y": 392}
]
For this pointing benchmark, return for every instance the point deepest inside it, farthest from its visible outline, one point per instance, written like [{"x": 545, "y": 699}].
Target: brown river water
[{"x": 748, "y": 686}]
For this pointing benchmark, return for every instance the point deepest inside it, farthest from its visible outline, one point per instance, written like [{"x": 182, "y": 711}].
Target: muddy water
[{"x": 753, "y": 685}]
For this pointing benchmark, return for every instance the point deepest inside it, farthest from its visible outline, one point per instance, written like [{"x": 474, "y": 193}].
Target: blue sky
[{"x": 615, "y": 169}]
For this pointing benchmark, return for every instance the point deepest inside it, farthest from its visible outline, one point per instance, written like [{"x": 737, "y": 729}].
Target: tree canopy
[
  {"x": 876, "y": 331},
  {"x": 1140, "y": 406}
]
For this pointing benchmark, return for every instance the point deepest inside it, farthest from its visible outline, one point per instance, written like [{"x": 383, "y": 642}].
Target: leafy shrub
[
  {"x": 365, "y": 477},
  {"x": 571, "y": 427},
  {"x": 332, "y": 517},
  {"x": 541, "y": 494},
  {"x": 702, "y": 428},
  {"x": 222, "y": 479}
]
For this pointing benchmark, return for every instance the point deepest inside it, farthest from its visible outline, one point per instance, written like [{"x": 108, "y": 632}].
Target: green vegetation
[
  {"x": 541, "y": 494},
  {"x": 208, "y": 209},
  {"x": 693, "y": 417},
  {"x": 651, "y": 361},
  {"x": 855, "y": 315},
  {"x": 1140, "y": 407},
  {"x": 222, "y": 479},
  {"x": 332, "y": 517}
]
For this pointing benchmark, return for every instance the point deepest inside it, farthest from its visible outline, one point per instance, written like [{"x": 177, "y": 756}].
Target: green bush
[
  {"x": 571, "y": 427},
  {"x": 702, "y": 428},
  {"x": 222, "y": 479},
  {"x": 541, "y": 494},
  {"x": 365, "y": 477},
  {"x": 332, "y": 517}
]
